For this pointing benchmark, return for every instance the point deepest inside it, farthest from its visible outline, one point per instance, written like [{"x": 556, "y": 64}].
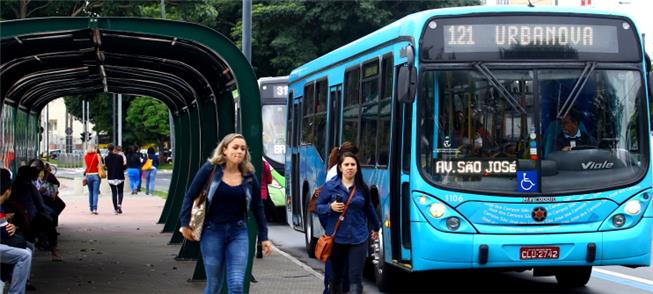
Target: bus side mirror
[
  {"x": 406, "y": 83},
  {"x": 406, "y": 77}
]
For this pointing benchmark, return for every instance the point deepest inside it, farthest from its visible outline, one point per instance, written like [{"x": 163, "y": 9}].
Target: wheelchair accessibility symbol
[{"x": 527, "y": 181}]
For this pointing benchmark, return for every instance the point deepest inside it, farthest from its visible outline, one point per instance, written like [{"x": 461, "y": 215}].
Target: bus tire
[
  {"x": 573, "y": 276},
  {"x": 384, "y": 273},
  {"x": 309, "y": 240}
]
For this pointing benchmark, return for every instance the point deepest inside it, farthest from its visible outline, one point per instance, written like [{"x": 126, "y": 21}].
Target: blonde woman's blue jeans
[{"x": 225, "y": 253}]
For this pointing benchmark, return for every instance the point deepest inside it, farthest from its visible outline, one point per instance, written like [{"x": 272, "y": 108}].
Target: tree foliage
[{"x": 147, "y": 119}]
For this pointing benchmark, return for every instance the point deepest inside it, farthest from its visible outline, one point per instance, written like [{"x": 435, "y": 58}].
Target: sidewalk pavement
[{"x": 127, "y": 253}]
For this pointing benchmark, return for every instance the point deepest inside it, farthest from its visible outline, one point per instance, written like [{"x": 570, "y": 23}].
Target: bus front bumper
[{"x": 433, "y": 249}]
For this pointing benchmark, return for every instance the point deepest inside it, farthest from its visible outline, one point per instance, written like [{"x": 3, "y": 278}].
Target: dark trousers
[
  {"x": 327, "y": 276},
  {"x": 352, "y": 256},
  {"x": 116, "y": 194}
]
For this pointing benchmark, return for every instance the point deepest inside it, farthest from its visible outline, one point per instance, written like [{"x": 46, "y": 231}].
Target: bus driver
[{"x": 571, "y": 135}]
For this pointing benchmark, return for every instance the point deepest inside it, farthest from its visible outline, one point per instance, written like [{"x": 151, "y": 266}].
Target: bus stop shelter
[{"x": 191, "y": 68}]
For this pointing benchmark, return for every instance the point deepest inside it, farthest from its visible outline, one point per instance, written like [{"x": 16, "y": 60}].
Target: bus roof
[
  {"x": 411, "y": 25},
  {"x": 282, "y": 79}
]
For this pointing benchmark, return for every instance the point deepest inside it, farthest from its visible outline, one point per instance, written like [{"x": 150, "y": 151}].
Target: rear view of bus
[{"x": 531, "y": 144}]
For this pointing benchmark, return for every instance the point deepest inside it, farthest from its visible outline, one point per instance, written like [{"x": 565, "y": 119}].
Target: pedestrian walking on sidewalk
[
  {"x": 332, "y": 172},
  {"x": 234, "y": 190},
  {"x": 351, "y": 239},
  {"x": 91, "y": 161},
  {"x": 149, "y": 169},
  {"x": 115, "y": 176},
  {"x": 133, "y": 169}
]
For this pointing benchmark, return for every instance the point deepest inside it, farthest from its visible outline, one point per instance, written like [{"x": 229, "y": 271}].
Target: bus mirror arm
[{"x": 406, "y": 77}]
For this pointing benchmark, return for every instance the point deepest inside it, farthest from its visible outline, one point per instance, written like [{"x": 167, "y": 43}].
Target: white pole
[{"x": 119, "y": 120}]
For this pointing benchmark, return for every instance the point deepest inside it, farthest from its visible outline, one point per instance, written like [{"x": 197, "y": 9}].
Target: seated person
[
  {"x": 21, "y": 258},
  {"x": 571, "y": 135}
]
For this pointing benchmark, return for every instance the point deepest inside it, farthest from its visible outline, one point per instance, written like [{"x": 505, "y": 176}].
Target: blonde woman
[
  {"x": 91, "y": 160},
  {"x": 234, "y": 190}
]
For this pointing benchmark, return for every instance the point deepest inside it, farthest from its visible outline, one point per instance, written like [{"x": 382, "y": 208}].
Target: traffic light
[{"x": 83, "y": 138}]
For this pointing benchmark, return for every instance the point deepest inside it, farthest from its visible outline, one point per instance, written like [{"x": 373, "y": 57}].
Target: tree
[{"x": 147, "y": 119}]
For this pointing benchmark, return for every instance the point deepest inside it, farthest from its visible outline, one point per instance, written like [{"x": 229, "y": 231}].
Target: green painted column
[{"x": 174, "y": 181}]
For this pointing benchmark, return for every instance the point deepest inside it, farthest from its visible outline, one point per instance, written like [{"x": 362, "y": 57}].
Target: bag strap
[
  {"x": 344, "y": 211},
  {"x": 205, "y": 189}
]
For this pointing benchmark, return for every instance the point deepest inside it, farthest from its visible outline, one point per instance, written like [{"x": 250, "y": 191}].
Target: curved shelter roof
[{"x": 191, "y": 68}]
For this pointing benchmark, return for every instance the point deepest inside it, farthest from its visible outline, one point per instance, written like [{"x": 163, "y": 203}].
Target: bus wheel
[
  {"x": 383, "y": 272},
  {"x": 573, "y": 276},
  {"x": 308, "y": 235}
]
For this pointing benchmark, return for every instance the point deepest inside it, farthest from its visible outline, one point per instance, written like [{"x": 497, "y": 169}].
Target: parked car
[{"x": 54, "y": 153}]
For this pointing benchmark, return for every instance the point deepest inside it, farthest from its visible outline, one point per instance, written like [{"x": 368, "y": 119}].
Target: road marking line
[
  {"x": 624, "y": 276},
  {"x": 301, "y": 264}
]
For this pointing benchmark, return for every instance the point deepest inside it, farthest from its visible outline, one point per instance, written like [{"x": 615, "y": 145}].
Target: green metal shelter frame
[{"x": 191, "y": 68}]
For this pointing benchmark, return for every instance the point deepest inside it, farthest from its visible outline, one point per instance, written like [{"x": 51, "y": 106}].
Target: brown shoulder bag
[{"x": 325, "y": 243}]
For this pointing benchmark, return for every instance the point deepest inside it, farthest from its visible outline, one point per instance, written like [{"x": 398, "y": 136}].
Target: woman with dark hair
[
  {"x": 347, "y": 196},
  {"x": 39, "y": 215},
  {"x": 116, "y": 177},
  {"x": 334, "y": 155}
]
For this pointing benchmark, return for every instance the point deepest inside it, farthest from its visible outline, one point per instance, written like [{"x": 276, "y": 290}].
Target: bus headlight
[
  {"x": 453, "y": 223},
  {"x": 618, "y": 220},
  {"x": 437, "y": 210},
  {"x": 629, "y": 213},
  {"x": 633, "y": 207},
  {"x": 440, "y": 215}
]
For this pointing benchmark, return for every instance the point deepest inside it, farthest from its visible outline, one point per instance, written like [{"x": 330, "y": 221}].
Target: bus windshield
[
  {"x": 570, "y": 130},
  {"x": 274, "y": 131}
]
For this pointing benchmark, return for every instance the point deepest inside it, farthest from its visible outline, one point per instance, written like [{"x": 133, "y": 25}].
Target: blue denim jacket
[
  {"x": 253, "y": 196},
  {"x": 354, "y": 228}
]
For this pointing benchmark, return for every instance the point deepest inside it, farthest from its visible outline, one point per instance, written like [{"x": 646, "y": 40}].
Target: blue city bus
[
  {"x": 274, "y": 97},
  {"x": 499, "y": 137}
]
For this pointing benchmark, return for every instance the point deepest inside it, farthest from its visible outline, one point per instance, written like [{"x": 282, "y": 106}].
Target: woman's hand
[
  {"x": 374, "y": 235},
  {"x": 11, "y": 229},
  {"x": 187, "y": 233},
  {"x": 337, "y": 206},
  {"x": 267, "y": 247}
]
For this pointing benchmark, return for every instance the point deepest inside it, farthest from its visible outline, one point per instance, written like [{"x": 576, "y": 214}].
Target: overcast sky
[{"x": 640, "y": 10}]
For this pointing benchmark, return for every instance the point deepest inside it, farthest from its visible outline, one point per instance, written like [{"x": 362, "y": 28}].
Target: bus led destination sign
[
  {"x": 465, "y": 38},
  {"x": 476, "y": 167}
]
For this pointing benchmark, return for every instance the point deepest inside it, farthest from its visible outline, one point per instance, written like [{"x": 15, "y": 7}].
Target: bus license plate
[{"x": 539, "y": 253}]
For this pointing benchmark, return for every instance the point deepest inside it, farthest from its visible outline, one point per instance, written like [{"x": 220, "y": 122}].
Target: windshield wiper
[
  {"x": 495, "y": 82},
  {"x": 575, "y": 91}
]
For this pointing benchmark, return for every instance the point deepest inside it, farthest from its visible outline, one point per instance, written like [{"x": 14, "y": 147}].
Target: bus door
[
  {"x": 333, "y": 125},
  {"x": 399, "y": 181},
  {"x": 297, "y": 217}
]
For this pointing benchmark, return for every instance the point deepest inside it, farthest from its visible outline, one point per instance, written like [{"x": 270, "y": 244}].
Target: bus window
[
  {"x": 320, "y": 117},
  {"x": 350, "y": 119},
  {"x": 309, "y": 109},
  {"x": 274, "y": 132},
  {"x": 385, "y": 107},
  {"x": 369, "y": 113}
]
